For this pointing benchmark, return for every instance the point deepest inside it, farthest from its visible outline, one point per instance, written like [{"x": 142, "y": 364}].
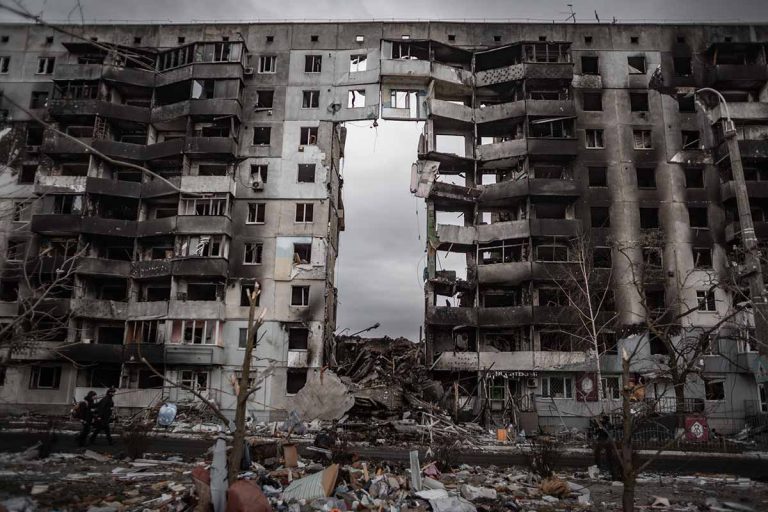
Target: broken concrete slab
[{"x": 323, "y": 397}]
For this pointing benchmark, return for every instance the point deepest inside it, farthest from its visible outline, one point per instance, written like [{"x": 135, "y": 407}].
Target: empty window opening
[
  {"x": 552, "y": 253},
  {"x": 594, "y": 139},
  {"x": 452, "y": 37},
  {"x": 551, "y": 128},
  {"x": 5, "y": 64},
  {"x": 298, "y": 338},
  {"x": 358, "y": 63},
  {"x": 642, "y": 139},
  {"x": 314, "y": 39},
  {"x": 252, "y": 253},
  {"x": 9, "y": 290},
  {"x": 702, "y": 257},
  {"x": 408, "y": 100},
  {"x": 264, "y": 98},
  {"x": 259, "y": 173},
  {"x": 39, "y": 99},
  {"x": 304, "y": 212},
  {"x": 295, "y": 381},
  {"x": 261, "y": 135},
  {"x": 246, "y": 289},
  {"x": 714, "y": 390},
  {"x": 592, "y": 101},
  {"x": 306, "y": 173},
  {"x": 636, "y": 65},
  {"x": 590, "y": 65},
  {"x": 649, "y": 218},
  {"x": 270, "y": 39},
  {"x": 682, "y": 66},
  {"x": 45, "y": 65},
  {"x": 496, "y": 39},
  {"x": 308, "y": 136},
  {"x": 310, "y": 99},
  {"x": 313, "y": 63},
  {"x": 587, "y": 39},
  {"x": 256, "y": 213},
  {"x": 356, "y": 98},
  {"x": 686, "y": 103},
  {"x": 706, "y": 300},
  {"x": 598, "y": 177},
  {"x": 691, "y": 139},
  {"x": 300, "y": 296},
  {"x": 27, "y": 174},
  {"x": 196, "y": 380},
  {"x": 694, "y": 178},
  {"x": 634, "y": 39},
  {"x": 601, "y": 257},
  {"x": 638, "y": 101},
  {"x": 698, "y": 217},
  {"x": 45, "y": 377},
  {"x": 204, "y": 291},
  {"x": 302, "y": 254},
  {"x": 601, "y": 217},
  {"x": 646, "y": 177},
  {"x": 267, "y": 64}
]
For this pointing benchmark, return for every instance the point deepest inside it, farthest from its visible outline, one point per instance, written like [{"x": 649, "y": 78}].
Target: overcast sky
[{"x": 382, "y": 249}]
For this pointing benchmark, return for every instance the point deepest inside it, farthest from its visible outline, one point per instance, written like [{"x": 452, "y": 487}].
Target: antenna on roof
[
  {"x": 573, "y": 13},
  {"x": 596, "y": 16}
]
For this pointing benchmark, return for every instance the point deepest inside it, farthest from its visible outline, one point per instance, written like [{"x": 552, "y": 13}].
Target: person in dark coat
[
  {"x": 602, "y": 444},
  {"x": 103, "y": 416},
  {"x": 86, "y": 417}
]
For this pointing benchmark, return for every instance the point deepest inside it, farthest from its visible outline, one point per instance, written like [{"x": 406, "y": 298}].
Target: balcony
[
  {"x": 503, "y": 230},
  {"x": 66, "y": 72},
  {"x": 159, "y": 188},
  {"x": 225, "y": 146},
  {"x": 737, "y": 75},
  {"x": 121, "y": 150},
  {"x": 757, "y": 189},
  {"x": 514, "y": 272},
  {"x": 502, "y": 150},
  {"x": 151, "y": 269},
  {"x": 53, "y": 224},
  {"x": 540, "y": 70},
  {"x": 200, "y": 266},
  {"x": 130, "y": 76},
  {"x": 94, "y": 352},
  {"x": 553, "y": 147},
  {"x": 207, "y": 184},
  {"x": 504, "y": 317},
  {"x": 96, "y": 308},
  {"x": 555, "y": 227},
  {"x": 411, "y": 68},
  {"x": 214, "y": 70},
  {"x": 204, "y": 224},
  {"x": 443, "y": 315},
  {"x": 447, "y": 196},
  {"x": 448, "y": 115},
  {"x": 64, "y": 108},
  {"x": 523, "y": 361},
  {"x": 111, "y": 187},
  {"x": 154, "y": 227},
  {"x": 103, "y": 267},
  {"x": 548, "y": 315},
  {"x": 55, "y": 144},
  {"x": 166, "y": 149},
  {"x": 152, "y": 352},
  {"x": 60, "y": 185},
  {"x": 148, "y": 310},
  {"x": 208, "y": 107},
  {"x": 204, "y": 355},
  {"x": 206, "y": 309},
  {"x": 740, "y": 111},
  {"x": 500, "y": 112},
  {"x": 108, "y": 227}
]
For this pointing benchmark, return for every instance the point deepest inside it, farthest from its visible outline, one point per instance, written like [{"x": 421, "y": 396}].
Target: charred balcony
[
  {"x": 94, "y": 352},
  {"x": 103, "y": 267},
  {"x": 64, "y": 108},
  {"x": 736, "y": 65},
  {"x": 56, "y": 224},
  {"x": 205, "y": 355},
  {"x": 751, "y": 150}
]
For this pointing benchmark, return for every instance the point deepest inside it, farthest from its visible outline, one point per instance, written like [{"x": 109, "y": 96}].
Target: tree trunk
[
  {"x": 627, "y": 460},
  {"x": 679, "y": 395},
  {"x": 628, "y": 496},
  {"x": 238, "y": 438}
]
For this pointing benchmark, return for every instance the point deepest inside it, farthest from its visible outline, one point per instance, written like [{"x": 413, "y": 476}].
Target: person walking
[
  {"x": 103, "y": 416},
  {"x": 84, "y": 412}
]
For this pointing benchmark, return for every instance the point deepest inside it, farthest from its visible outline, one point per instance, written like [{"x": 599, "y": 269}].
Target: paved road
[{"x": 702, "y": 463}]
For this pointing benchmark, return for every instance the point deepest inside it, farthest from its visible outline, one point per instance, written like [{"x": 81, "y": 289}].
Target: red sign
[
  {"x": 586, "y": 387},
  {"x": 696, "y": 428}
]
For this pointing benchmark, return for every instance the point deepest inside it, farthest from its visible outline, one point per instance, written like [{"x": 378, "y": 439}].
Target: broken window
[
  {"x": 681, "y": 66},
  {"x": 646, "y": 177},
  {"x": 557, "y": 387},
  {"x": 206, "y": 204},
  {"x": 196, "y": 332},
  {"x": 600, "y": 217},
  {"x": 39, "y": 99},
  {"x": 649, "y": 218},
  {"x": 209, "y": 246},
  {"x": 592, "y": 101},
  {"x": 267, "y": 64},
  {"x": 152, "y": 331},
  {"x": 194, "y": 379},
  {"x": 698, "y": 217},
  {"x": 45, "y": 65},
  {"x": 146, "y": 379},
  {"x": 308, "y": 136},
  {"x": 405, "y": 100},
  {"x": 358, "y": 63},
  {"x": 598, "y": 177},
  {"x": 295, "y": 380},
  {"x": 636, "y": 64},
  {"x": 611, "y": 388},
  {"x": 714, "y": 390},
  {"x": 246, "y": 288},
  {"x": 261, "y": 135},
  {"x": 304, "y": 212},
  {"x": 550, "y": 172},
  {"x": 9, "y": 290},
  {"x": 356, "y": 98},
  {"x": 212, "y": 170},
  {"x": 601, "y": 257},
  {"x": 555, "y": 341},
  {"x": 256, "y": 213},
  {"x": 5, "y": 64},
  {"x": 27, "y": 174},
  {"x": 45, "y": 377},
  {"x": 694, "y": 178},
  {"x": 638, "y": 101},
  {"x": 259, "y": 173},
  {"x": 594, "y": 139},
  {"x": 504, "y": 251},
  {"x": 252, "y": 253},
  {"x": 299, "y": 295},
  {"x": 110, "y": 335},
  {"x": 264, "y": 99},
  {"x": 652, "y": 257},
  {"x": 310, "y": 99},
  {"x": 204, "y": 291},
  {"x": 552, "y": 253},
  {"x": 552, "y": 297},
  {"x": 551, "y": 128},
  {"x": 642, "y": 139},
  {"x": 298, "y": 338},
  {"x": 691, "y": 139},
  {"x": 67, "y": 204},
  {"x": 20, "y": 211},
  {"x": 302, "y": 253},
  {"x": 306, "y": 173},
  {"x": 686, "y": 103},
  {"x": 589, "y": 65},
  {"x": 313, "y": 63},
  {"x": 702, "y": 257}
]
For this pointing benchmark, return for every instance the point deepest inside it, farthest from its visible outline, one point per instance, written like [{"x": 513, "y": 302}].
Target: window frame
[
  {"x": 259, "y": 210},
  {"x": 312, "y": 61},
  {"x": 597, "y": 133},
  {"x": 307, "y": 213},
  {"x": 257, "y": 251},
  {"x": 706, "y": 301},
  {"x": 305, "y": 292},
  {"x": 310, "y": 99},
  {"x": 45, "y": 65},
  {"x": 646, "y": 139},
  {"x": 567, "y": 382},
  {"x": 267, "y": 64}
]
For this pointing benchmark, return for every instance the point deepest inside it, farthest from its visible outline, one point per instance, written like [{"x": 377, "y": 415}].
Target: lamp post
[{"x": 752, "y": 268}]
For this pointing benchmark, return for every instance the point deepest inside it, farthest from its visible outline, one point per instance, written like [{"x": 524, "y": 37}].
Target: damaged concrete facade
[
  {"x": 244, "y": 124},
  {"x": 560, "y": 134}
]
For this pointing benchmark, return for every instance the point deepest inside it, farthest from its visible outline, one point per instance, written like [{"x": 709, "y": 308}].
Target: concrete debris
[
  {"x": 324, "y": 397},
  {"x": 660, "y": 502},
  {"x": 473, "y": 493}
]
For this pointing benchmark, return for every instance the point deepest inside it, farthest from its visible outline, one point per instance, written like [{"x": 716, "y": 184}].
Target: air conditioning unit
[
  {"x": 531, "y": 383},
  {"x": 181, "y": 296},
  {"x": 247, "y": 71},
  {"x": 301, "y": 149},
  {"x": 258, "y": 185}
]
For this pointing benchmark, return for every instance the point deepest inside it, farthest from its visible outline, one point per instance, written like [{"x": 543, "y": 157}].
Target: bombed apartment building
[{"x": 546, "y": 161}]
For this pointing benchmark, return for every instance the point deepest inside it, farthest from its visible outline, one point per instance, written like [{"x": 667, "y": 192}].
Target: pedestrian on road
[
  {"x": 103, "y": 414},
  {"x": 84, "y": 412}
]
